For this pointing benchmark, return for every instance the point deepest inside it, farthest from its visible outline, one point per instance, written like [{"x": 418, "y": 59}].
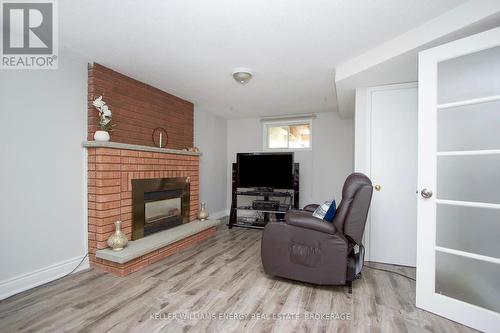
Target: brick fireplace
[
  {"x": 111, "y": 172},
  {"x": 129, "y": 171}
]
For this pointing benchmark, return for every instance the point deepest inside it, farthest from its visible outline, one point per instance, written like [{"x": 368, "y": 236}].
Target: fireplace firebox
[{"x": 159, "y": 204}]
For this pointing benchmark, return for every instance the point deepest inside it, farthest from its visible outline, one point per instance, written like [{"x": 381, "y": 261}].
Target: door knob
[
  {"x": 426, "y": 193},
  {"x": 377, "y": 187}
]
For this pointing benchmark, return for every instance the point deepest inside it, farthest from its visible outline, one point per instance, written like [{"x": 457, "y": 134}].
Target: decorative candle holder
[{"x": 160, "y": 137}]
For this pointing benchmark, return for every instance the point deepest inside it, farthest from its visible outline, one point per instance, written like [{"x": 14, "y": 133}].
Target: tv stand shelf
[
  {"x": 258, "y": 218},
  {"x": 265, "y": 194},
  {"x": 283, "y": 209},
  {"x": 249, "y": 225}
]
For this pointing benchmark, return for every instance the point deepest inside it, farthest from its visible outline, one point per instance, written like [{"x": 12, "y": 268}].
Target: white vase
[{"x": 101, "y": 136}]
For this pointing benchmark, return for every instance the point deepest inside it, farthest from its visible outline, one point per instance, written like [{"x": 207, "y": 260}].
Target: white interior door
[
  {"x": 393, "y": 214},
  {"x": 458, "y": 245}
]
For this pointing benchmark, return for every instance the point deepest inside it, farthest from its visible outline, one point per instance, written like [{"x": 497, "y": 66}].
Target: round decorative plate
[{"x": 160, "y": 137}]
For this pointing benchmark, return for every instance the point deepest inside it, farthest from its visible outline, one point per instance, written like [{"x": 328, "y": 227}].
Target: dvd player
[{"x": 266, "y": 204}]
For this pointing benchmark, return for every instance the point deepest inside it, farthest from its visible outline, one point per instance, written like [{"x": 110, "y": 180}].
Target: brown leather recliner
[{"x": 309, "y": 249}]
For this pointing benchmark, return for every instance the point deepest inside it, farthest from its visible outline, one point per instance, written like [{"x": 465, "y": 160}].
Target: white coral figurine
[{"x": 104, "y": 114}]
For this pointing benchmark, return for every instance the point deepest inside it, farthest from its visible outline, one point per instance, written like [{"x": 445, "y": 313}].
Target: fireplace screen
[
  {"x": 158, "y": 204},
  {"x": 158, "y": 210}
]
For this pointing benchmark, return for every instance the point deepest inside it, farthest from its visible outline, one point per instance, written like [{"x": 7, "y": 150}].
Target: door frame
[
  {"x": 426, "y": 298},
  {"x": 363, "y": 140}
]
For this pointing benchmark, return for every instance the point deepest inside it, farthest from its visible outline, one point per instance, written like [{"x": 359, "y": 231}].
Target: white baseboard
[
  {"x": 219, "y": 214},
  {"x": 41, "y": 276}
]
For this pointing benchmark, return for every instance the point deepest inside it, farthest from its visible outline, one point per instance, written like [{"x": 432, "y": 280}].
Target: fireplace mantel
[{"x": 118, "y": 145}]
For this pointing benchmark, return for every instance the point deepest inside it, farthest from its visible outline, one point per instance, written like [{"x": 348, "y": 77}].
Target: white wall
[
  {"x": 210, "y": 135},
  {"x": 322, "y": 170},
  {"x": 43, "y": 227},
  {"x": 361, "y": 133}
]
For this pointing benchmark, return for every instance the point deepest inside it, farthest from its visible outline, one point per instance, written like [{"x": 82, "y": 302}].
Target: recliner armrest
[
  {"x": 311, "y": 207},
  {"x": 305, "y": 220}
]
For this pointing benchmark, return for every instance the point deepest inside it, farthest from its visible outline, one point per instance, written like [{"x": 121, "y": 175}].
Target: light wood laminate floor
[{"x": 221, "y": 275}]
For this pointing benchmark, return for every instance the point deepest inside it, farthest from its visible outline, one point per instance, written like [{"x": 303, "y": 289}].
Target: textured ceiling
[{"x": 189, "y": 48}]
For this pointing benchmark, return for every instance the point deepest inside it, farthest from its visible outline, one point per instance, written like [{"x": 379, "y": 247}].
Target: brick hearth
[
  {"x": 152, "y": 257},
  {"x": 110, "y": 171}
]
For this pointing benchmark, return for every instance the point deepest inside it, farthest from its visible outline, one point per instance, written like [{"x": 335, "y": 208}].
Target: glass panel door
[{"x": 458, "y": 261}]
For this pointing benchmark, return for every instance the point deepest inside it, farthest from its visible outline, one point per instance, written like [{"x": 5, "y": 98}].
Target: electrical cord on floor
[
  {"x": 388, "y": 271},
  {"x": 74, "y": 269},
  {"x": 65, "y": 275}
]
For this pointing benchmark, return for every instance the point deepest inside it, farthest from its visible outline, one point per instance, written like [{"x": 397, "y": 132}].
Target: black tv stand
[
  {"x": 289, "y": 197},
  {"x": 264, "y": 189},
  {"x": 269, "y": 193}
]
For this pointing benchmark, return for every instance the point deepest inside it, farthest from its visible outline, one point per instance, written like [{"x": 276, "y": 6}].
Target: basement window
[{"x": 287, "y": 135}]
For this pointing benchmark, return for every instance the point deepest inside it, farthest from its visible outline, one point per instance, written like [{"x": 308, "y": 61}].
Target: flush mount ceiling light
[{"x": 242, "y": 75}]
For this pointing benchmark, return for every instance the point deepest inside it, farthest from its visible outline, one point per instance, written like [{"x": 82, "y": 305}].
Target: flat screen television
[{"x": 265, "y": 170}]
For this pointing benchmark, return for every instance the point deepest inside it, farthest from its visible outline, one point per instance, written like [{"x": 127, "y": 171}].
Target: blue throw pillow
[
  {"x": 330, "y": 213},
  {"x": 326, "y": 211}
]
